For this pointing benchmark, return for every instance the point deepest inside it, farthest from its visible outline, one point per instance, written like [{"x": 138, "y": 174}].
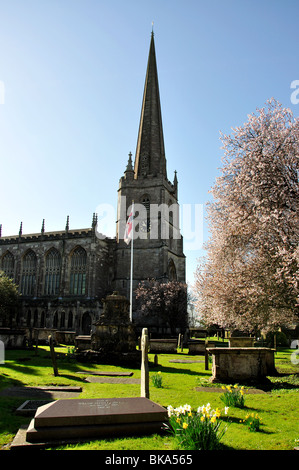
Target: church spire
[{"x": 150, "y": 152}]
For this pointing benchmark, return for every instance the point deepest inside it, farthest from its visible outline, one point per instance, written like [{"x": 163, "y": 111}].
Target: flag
[{"x": 129, "y": 226}]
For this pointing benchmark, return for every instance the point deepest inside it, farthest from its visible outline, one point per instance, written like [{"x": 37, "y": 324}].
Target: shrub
[
  {"x": 233, "y": 396},
  {"x": 253, "y": 422},
  {"x": 196, "y": 430},
  {"x": 281, "y": 339},
  {"x": 157, "y": 380}
]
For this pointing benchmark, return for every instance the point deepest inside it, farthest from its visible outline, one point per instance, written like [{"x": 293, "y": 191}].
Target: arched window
[
  {"x": 55, "y": 320},
  {"x": 8, "y": 264},
  {"x": 29, "y": 318},
  {"x": 52, "y": 273},
  {"x": 70, "y": 320},
  {"x": 78, "y": 271},
  {"x": 62, "y": 319},
  {"x": 86, "y": 323},
  {"x": 35, "y": 319},
  {"x": 28, "y": 273},
  {"x": 147, "y": 204},
  {"x": 172, "y": 271}
]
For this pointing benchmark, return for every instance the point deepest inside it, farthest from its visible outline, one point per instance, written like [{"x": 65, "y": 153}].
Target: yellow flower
[
  {"x": 213, "y": 419},
  {"x": 190, "y": 414},
  {"x": 185, "y": 425},
  {"x": 159, "y": 372},
  {"x": 178, "y": 420},
  {"x": 235, "y": 386},
  {"x": 241, "y": 391},
  {"x": 202, "y": 418},
  {"x": 223, "y": 387}
]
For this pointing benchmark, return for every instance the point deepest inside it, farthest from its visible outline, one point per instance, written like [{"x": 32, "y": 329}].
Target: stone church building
[{"x": 64, "y": 275}]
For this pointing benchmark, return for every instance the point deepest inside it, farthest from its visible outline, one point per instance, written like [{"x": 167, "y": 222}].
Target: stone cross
[{"x": 144, "y": 364}]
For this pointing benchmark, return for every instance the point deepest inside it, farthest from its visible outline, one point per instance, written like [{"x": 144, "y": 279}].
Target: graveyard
[{"x": 28, "y": 380}]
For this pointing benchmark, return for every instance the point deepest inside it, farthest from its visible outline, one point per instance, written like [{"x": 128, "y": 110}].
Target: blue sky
[{"x": 71, "y": 83}]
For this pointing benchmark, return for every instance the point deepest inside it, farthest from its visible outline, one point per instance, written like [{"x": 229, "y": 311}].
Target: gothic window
[
  {"x": 172, "y": 271},
  {"x": 35, "y": 319},
  {"x": 43, "y": 319},
  {"x": 55, "y": 320},
  {"x": 52, "y": 273},
  {"x": 29, "y": 266},
  {"x": 8, "y": 264},
  {"x": 86, "y": 323},
  {"x": 62, "y": 320},
  {"x": 70, "y": 321},
  {"x": 29, "y": 318},
  {"x": 78, "y": 271},
  {"x": 147, "y": 204}
]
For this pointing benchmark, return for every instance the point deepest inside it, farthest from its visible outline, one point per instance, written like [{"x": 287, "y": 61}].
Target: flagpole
[{"x": 131, "y": 278}]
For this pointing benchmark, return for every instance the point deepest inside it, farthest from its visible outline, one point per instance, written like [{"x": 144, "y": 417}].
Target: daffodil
[{"x": 185, "y": 425}]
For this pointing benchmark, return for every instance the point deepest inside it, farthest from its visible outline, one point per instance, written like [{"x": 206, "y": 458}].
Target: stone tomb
[
  {"x": 242, "y": 364},
  {"x": 95, "y": 418}
]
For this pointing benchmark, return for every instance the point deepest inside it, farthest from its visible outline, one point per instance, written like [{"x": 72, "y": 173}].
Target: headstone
[
  {"x": 53, "y": 356},
  {"x": 2, "y": 353},
  {"x": 95, "y": 418},
  {"x": 144, "y": 364},
  {"x": 206, "y": 355}
]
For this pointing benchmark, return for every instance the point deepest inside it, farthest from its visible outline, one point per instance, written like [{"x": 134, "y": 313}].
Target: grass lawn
[{"x": 278, "y": 408}]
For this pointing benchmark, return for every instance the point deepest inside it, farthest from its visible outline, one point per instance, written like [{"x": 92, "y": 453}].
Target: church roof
[{"x": 150, "y": 152}]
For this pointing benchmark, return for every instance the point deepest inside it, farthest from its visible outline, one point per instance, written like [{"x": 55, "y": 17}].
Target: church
[{"x": 64, "y": 275}]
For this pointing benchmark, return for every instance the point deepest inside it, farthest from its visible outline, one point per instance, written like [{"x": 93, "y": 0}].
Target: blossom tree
[
  {"x": 164, "y": 302},
  {"x": 250, "y": 278}
]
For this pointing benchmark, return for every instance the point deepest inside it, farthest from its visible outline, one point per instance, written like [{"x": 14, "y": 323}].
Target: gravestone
[
  {"x": 241, "y": 342},
  {"x": 95, "y": 418},
  {"x": 163, "y": 346},
  {"x": 144, "y": 364},
  {"x": 2, "y": 353},
  {"x": 53, "y": 356}
]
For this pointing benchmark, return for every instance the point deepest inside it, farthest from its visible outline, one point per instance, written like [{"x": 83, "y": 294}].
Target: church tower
[{"x": 158, "y": 244}]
